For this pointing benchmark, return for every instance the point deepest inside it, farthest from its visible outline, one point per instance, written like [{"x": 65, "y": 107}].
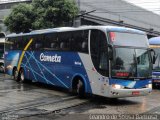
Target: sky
[{"x": 151, "y": 5}]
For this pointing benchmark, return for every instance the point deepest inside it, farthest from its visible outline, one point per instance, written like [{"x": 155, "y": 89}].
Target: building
[
  {"x": 105, "y": 12},
  {"x": 121, "y": 13},
  {"x": 5, "y": 9}
]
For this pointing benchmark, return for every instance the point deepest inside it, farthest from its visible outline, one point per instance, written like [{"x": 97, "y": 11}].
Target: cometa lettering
[{"x": 47, "y": 58}]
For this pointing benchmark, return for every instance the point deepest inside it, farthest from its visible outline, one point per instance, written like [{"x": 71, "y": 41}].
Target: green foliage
[
  {"x": 20, "y": 19},
  {"x": 41, "y": 14}
]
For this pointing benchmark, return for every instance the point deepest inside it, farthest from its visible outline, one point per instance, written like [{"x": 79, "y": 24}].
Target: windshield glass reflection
[
  {"x": 156, "y": 66},
  {"x": 131, "y": 63}
]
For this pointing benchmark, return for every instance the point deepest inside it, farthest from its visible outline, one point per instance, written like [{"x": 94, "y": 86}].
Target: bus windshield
[
  {"x": 131, "y": 63},
  {"x": 131, "y": 59},
  {"x": 156, "y": 66}
]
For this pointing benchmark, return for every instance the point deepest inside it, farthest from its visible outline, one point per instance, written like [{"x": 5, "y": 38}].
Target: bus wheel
[
  {"x": 15, "y": 74},
  {"x": 80, "y": 88},
  {"x": 21, "y": 76},
  {"x": 2, "y": 68}
]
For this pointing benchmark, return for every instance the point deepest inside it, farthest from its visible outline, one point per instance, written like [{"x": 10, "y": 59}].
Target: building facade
[
  {"x": 5, "y": 9},
  {"x": 121, "y": 13}
]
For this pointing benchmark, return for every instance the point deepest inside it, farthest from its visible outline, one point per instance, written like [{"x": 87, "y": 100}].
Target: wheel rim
[
  {"x": 15, "y": 75},
  {"x": 22, "y": 76},
  {"x": 79, "y": 86}
]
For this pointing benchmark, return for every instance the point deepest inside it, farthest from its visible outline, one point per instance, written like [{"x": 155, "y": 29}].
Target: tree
[
  {"x": 41, "y": 14},
  {"x": 20, "y": 19}
]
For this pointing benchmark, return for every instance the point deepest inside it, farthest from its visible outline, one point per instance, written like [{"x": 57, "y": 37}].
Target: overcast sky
[{"x": 152, "y": 5}]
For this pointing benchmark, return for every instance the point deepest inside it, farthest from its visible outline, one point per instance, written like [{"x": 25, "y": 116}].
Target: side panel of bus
[
  {"x": 55, "y": 68},
  {"x": 11, "y": 60}
]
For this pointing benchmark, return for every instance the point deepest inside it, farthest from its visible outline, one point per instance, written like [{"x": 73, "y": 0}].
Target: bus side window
[
  {"x": 54, "y": 46},
  {"x": 9, "y": 44},
  {"x": 38, "y": 45},
  {"x": 64, "y": 39},
  {"x": 84, "y": 46},
  {"x": 85, "y": 41},
  {"x": 15, "y": 44},
  {"x": 99, "y": 51},
  {"x": 62, "y": 45},
  {"x": 103, "y": 61},
  {"x": 80, "y": 40}
]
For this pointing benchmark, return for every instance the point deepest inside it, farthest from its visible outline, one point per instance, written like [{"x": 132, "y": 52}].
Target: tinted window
[
  {"x": 64, "y": 41},
  {"x": 99, "y": 51},
  {"x": 67, "y": 41},
  {"x": 51, "y": 42},
  {"x": 38, "y": 42},
  {"x": 16, "y": 43},
  {"x": 80, "y": 41},
  {"x": 13, "y": 44}
]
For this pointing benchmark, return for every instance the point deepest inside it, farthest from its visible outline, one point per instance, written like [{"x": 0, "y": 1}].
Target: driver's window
[
  {"x": 99, "y": 51},
  {"x": 103, "y": 61}
]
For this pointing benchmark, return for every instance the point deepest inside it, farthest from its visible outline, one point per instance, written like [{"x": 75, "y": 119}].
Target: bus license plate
[{"x": 135, "y": 93}]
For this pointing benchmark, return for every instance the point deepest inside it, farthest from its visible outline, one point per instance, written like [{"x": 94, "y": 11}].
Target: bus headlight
[
  {"x": 149, "y": 86},
  {"x": 116, "y": 86}
]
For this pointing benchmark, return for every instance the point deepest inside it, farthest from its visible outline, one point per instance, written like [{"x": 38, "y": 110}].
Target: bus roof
[
  {"x": 154, "y": 41},
  {"x": 65, "y": 29}
]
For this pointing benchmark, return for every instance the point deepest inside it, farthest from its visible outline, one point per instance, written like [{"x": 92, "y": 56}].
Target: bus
[
  {"x": 107, "y": 61},
  {"x": 155, "y": 45},
  {"x": 2, "y": 42}
]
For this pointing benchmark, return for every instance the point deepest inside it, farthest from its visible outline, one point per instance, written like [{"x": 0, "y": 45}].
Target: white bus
[{"x": 102, "y": 60}]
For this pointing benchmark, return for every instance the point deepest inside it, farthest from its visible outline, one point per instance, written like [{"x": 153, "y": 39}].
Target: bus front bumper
[{"x": 118, "y": 93}]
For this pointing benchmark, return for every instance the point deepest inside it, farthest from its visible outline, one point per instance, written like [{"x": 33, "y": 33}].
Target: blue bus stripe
[
  {"x": 40, "y": 69},
  {"x": 31, "y": 68},
  {"x": 27, "y": 59},
  {"x": 48, "y": 71},
  {"x": 39, "y": 75}
]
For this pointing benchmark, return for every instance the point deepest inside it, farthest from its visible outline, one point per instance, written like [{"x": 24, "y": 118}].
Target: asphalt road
[{"x": 32, "y": 101}]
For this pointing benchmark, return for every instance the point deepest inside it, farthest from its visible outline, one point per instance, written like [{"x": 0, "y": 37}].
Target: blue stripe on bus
[
  {"x": 34, "y": 72},
  {"x": 43, "y": 66},
  {"x": 50, "y": 73}
]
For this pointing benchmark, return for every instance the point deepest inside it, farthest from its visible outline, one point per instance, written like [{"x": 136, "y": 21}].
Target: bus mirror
[
  {"x": 110, "y": 52},
  {"x": 153, "y": 54}
]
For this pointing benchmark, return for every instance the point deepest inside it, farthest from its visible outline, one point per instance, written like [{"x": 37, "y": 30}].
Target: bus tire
[
  {"x": 21, "y": 76},
  {"x": 2, "y": 67},
  {"x": 15, "y": 74},
  {"x": 80, "y": 89}
]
